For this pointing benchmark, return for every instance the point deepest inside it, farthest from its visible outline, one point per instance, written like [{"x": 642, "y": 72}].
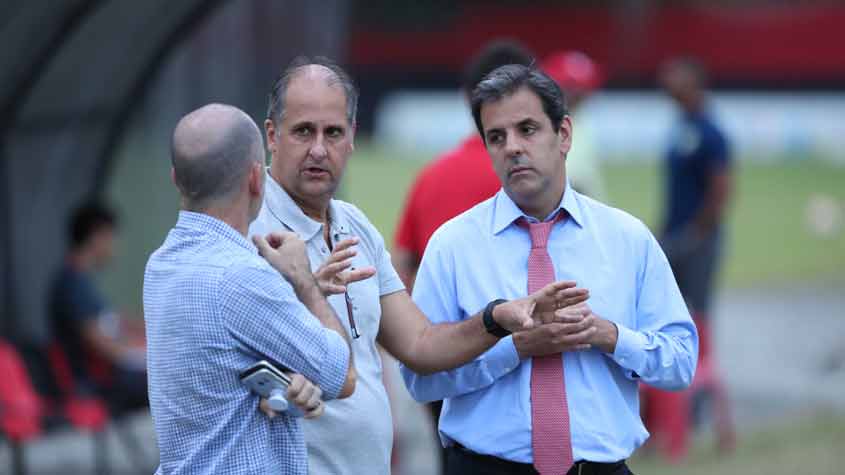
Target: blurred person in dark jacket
[
  {"x": 698, "y": 181},
  {"x": 105, "y": 350}
]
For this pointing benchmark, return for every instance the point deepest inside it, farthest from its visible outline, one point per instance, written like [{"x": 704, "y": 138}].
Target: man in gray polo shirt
[{"x": 310, "y": 130}]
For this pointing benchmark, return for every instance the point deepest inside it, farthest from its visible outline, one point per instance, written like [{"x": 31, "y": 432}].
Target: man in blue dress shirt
[
  {"x": 214, "y": 307},
  {"x": 639, "y": 328}
]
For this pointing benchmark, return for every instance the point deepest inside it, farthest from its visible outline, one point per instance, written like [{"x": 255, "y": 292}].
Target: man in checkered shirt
[{"x": 214, "y": 307}]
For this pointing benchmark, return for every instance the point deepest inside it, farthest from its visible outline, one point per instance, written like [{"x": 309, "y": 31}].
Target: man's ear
[
  {"x": 270, "y": 132},
  {"x": 352, "y": 137},
  {"x": 256, "y": 183},
  {"x": 565, "y": 135},
  {"x": 173, "y": 176}
]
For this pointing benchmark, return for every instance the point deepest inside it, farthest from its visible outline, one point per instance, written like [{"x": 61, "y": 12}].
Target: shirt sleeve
[
  {"x": 435, "y": 295},
  {"x": 389, "y": 281},
  {"x": 263, "y": 315},
  {"x": 663, "y": 348}
]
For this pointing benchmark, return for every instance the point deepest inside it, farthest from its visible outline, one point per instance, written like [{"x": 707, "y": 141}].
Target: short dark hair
[
  {"x": 493, "y": 55},
  {"x": 506, "y": 80},
  {"x": 87, "y": 220},
  {"x": 276, "y": 99}
]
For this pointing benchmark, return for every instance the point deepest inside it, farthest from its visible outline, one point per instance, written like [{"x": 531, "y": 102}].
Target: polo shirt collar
[
  {"x": 284, "y": 209},
  {"x": 505, "y": 211}
]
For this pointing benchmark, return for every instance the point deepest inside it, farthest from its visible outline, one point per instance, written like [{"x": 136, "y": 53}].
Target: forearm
[
  {"x": 713, "y": 208},
  {"x": 309, "y": 293},
  {"x": 479, "y": 373},
  {"x": 448, "y": 345}
]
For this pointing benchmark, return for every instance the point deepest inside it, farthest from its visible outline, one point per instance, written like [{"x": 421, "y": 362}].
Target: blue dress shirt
[
  {"x": 213, "y": 308},
  {"x": 482, "y": 255}
]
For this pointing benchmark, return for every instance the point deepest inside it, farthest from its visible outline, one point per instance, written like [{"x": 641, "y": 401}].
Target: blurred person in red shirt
[{"x": 455, "y": 181}]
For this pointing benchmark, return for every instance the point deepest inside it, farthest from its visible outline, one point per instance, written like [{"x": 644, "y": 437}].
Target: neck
[
  {"x": 316, "y": 209},
  {"x": 80, "y": 260},
  {"x": 541, "y": 206},
  {"x": 234, "y": 216},
  {"x": 693, "y": 104}
]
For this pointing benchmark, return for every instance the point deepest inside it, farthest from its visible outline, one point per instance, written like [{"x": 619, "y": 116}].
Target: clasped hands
[{"x": 555, "y": 319}]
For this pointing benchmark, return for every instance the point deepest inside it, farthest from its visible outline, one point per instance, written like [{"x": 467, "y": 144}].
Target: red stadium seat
[{"x": 24, "y": 413}]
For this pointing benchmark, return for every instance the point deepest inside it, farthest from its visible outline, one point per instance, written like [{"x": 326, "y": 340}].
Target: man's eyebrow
[{"x": 527, "y": 121}]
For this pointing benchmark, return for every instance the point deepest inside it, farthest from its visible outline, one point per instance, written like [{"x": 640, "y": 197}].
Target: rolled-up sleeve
[
  {"x": 263, "y": 314},
  {"x": 435, "y": 295},
  {"x": 663, "y": 348}
]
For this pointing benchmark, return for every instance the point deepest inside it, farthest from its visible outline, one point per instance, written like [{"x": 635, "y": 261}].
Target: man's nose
[
  {"x": 513, "y": 146},
  {"x": 318, "y": 148}
]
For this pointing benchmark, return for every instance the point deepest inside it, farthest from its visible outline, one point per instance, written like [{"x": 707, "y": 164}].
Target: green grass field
[
  {"x": 769, "y": 241},
  {"x": 812, "y": 445}
]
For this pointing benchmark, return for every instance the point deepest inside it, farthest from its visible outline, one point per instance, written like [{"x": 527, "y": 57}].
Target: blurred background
[{"x": 90, "y": 91}]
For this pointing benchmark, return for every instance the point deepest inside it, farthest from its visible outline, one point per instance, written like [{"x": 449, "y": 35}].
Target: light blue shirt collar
[
  {"x": 505, "y": 211},
  {"x": 194, "y": 221},
  {"x": 283, "y": 208}
]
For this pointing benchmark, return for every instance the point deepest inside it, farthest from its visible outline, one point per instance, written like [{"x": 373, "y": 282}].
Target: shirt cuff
[
  {"x": 502, "y": 358},
  {"x": 335, "y": 365},
  {"x": 630, "y": 350}
]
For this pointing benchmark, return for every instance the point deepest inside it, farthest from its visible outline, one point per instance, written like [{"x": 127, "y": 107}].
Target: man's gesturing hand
[
  {"x": 332, "y": 276},
  {"x": 539, "y": 307},
  {"x": 286, "y": 253}
]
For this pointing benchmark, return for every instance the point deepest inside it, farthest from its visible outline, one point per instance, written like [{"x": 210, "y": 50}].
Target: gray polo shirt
[{"x": 354, "y": 435}]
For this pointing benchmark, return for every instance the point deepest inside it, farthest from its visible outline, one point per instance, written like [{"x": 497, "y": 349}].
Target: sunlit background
[{"x": 92, "y": 90}]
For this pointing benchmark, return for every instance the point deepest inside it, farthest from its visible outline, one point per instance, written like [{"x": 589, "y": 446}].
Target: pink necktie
[{"x": 550, "y": 437}]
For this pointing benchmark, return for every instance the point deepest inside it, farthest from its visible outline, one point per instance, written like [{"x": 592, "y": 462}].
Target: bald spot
[{"x": 212, "y": 149}]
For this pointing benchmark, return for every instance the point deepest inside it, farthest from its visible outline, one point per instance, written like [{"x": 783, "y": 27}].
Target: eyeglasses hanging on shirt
[{"x": 353, "y": 329}]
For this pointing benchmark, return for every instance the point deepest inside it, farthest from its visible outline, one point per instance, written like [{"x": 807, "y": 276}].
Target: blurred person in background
[
  {"x": 454, "y": 181},
  {"x": 105, "y": 350},
  {"x": 310, "y": 130},
  {"x": 216, "y": 303},
  {"x": 579, "y": 77},
  {"x": 699, "y": 180},
  {"x": 560, "y": 398}
]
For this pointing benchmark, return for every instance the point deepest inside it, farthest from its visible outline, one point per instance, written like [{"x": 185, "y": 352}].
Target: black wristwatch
[{"x": 490, "y": 325}]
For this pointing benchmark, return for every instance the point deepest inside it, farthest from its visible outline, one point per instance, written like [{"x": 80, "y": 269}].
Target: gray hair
[
  {"x": 276, "y": 100},
  {"x": 212, "y": 150},
  {"x": 506, "y": 80}
]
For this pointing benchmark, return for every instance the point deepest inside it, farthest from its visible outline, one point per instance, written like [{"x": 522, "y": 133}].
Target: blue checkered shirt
[{"x": 213, "y": 307}]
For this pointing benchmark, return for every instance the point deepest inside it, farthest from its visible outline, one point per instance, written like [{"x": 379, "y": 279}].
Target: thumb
[{"x": 262, "y": 245}]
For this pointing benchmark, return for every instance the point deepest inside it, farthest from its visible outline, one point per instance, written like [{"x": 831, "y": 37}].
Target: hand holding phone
[{"x": 267, "y": 381}]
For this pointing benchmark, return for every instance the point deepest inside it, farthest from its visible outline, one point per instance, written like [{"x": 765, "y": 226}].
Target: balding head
[
  {"x": 320, "y": 68},
  {"x": 212, "y": 151}
]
